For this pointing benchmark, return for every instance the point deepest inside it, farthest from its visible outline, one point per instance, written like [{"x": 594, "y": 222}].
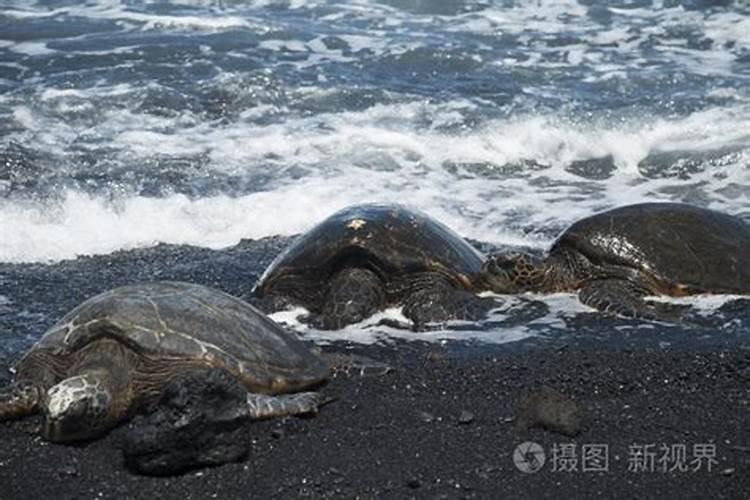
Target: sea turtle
[
  {"x": 365, "y": 258},
  {"x": 618, "y": 257},
  {"x": 117, "y": 350}
]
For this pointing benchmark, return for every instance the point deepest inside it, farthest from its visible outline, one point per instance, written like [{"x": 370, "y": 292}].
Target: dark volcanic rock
[
  {"x": 593, "y": 168},
  {"x": 551, "y": 410},
  {"x": 198, "y": 421}
]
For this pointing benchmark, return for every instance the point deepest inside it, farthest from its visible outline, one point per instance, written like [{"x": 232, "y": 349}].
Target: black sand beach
[
  {"x": 443, "y": 428},
  {"x": 442, "y": 424}
]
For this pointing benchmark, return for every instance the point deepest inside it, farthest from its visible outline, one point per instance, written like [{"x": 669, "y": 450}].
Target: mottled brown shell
[
  {"x": 182, "y": 320},
  {"x": 392, "y": 240},
  {"x": 687, "y": 247}
]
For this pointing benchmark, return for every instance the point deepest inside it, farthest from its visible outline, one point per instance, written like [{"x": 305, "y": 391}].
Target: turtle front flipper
[
  {"x": 19, "y": 399},
  {"x": 354, "y": 294},
  {"x": 265, "y": 406},
  {"x": 624, "y": 298},
  {"x": 615, "y": 296},
  {"x": 436, "y": 301}
]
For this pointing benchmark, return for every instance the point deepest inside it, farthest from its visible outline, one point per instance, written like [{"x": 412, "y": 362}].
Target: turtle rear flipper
[
  {"x": 265, "y": 406},
  {"x": 624, "y": 298},
  {"x": 438, "y": 301},
  {"x": 19, "y": 399}
]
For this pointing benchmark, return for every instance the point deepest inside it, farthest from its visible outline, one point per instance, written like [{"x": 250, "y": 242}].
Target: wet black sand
[{"x": 440, "y": 425}]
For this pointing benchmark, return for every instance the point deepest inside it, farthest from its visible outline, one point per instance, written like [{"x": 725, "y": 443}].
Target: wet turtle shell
[
  {"x": 168, "y": 320},
  {"x": 394, "y": 241},
  {"x": 686, "y": 248}
]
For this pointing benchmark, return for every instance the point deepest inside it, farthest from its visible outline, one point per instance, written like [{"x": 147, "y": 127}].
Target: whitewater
[{"x": 204, "y": 123}]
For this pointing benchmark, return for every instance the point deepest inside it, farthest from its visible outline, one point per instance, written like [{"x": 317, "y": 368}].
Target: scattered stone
[
  {"x": 277, "y": 433},
  {"x": 69, "y": 470},
  {"x": 426, "y": 417},
  {"x": 593, "y": 168},
  {"x": 31, "y": 426},
  {"x": 198, "y": 421},
  {"x": 551, "y": 410},
  {"x": 728, "y": 471},
  {"x": 466, "y": 417},
  {"x": 413, "y": 483},
  {"x": 434, "y": 356}
]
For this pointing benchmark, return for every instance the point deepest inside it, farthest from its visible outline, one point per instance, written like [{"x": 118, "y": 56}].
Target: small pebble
[
  {"x": 466, "y": 417},
  {"x": 70, "y": 470},
  {"x": 551, "y": 410},
  {"x": 426, "y": 417}
]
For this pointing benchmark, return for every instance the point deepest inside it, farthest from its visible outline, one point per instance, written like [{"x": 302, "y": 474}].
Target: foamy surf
[
  {"x": 516, "y": 181},
  {"x": 377, "y": 329},
  {"x": 513, "y": 319},
  {"x": 200, "y": 123}
]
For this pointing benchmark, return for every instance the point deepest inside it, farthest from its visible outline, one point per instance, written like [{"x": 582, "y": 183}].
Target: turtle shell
[
  {"x": 694, "y": 249},
  {"x": 391, "y": 240},
  {"x": 183, "y": 320}
]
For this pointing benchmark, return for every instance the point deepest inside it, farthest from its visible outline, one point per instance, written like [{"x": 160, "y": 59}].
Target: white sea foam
[
  {"x": 628, "y": 30},
  {"x": 705, "y": 304},
  {"x": 32, "y": 48},
  {"x": 213, "y": 20},
  {"x": 560, "y": 306},
  {"x": 431, "y": 153},
  {"x": 377, "y": 155},
  {"x": 371, "y": 330}
]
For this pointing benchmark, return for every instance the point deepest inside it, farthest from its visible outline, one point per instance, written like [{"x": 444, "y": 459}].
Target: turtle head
[
  {"x": 78, "y": 408},
  {"x": 513, "y": 273}
]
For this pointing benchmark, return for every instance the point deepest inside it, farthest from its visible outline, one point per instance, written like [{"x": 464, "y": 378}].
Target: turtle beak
[{"x": 52, "y": 431}]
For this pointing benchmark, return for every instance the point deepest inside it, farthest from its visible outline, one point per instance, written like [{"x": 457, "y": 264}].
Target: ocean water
[{"x": 128, "y": 124}]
